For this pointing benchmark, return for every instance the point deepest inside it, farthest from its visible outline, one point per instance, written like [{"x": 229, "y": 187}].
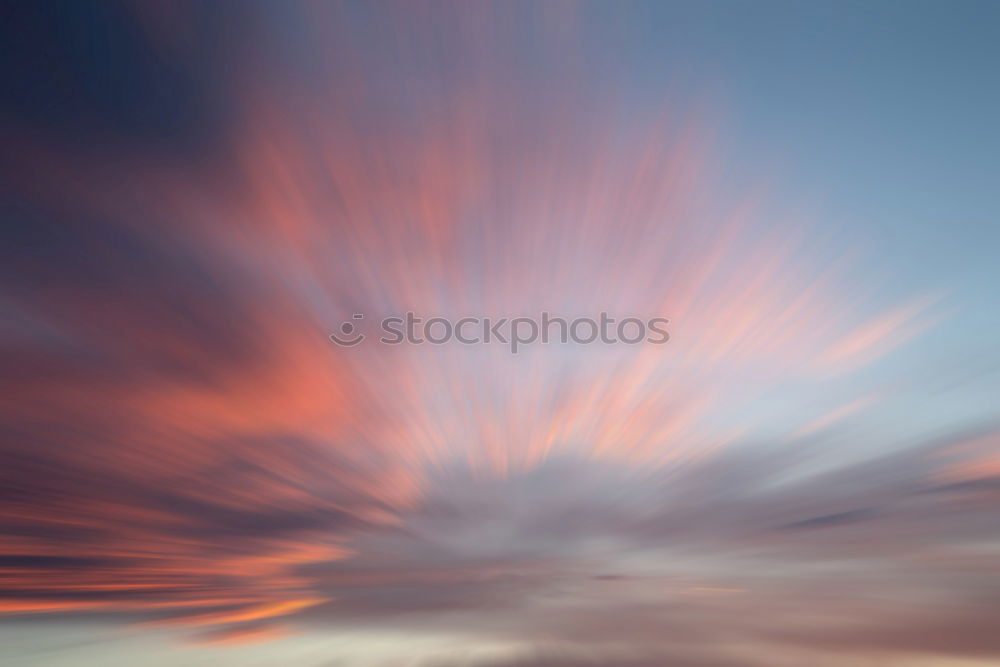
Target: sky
[{"x": 195, "y": 196}]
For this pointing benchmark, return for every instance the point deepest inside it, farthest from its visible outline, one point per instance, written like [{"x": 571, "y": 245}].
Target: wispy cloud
[{"x": 185, "y": 451}]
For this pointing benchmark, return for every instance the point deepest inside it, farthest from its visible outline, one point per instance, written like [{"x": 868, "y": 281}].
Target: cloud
[{"x": 183, "y": 447}]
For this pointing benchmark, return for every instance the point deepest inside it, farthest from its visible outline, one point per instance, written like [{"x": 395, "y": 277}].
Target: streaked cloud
[{"x": 188, "y": 461}]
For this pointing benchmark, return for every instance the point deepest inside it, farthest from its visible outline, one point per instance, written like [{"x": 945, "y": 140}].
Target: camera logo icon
[{"x": 348, "y": 337}]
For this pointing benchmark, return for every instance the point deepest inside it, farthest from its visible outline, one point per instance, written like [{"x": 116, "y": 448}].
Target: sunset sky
[{"x": 195, "y": 195}]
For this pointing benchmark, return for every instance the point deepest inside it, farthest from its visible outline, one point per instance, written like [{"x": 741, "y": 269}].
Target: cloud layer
[{"x": 186, "y": 454}]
